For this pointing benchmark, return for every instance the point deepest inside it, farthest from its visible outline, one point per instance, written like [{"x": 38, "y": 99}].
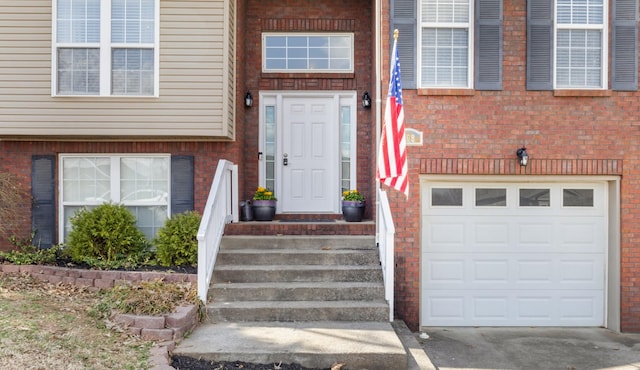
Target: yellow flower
[
  {"x": 263, "y": 193},
  {"x": 352, "y": 195}
]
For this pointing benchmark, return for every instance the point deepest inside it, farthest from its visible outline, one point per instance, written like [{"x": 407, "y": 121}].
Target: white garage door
[{"x": 513, "y": 254}]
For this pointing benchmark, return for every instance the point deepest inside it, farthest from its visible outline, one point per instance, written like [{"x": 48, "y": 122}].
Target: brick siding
[{"x": 478, "y": 133}]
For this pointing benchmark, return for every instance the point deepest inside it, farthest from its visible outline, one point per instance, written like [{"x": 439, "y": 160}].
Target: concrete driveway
[{"x": 531, "y": 348}]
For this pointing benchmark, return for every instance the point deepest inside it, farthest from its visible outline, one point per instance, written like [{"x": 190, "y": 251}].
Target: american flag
[{"x": 392, "y": 156}]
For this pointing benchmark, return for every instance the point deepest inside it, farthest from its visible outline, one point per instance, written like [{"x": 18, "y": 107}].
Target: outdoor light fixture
[
  {"x": 523, "y": 157},
  {"x": 248, "y": 100},
  {"x": 366, "y": 100}
]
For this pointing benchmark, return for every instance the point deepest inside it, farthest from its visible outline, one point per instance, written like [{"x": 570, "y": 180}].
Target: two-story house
[{"x": 135, "y": 101}]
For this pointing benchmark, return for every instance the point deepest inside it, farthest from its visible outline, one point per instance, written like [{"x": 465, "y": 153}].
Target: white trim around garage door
[{"x": 604, "y": 215}]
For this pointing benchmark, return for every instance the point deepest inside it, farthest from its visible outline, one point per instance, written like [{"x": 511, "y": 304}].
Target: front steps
[
  {"x": 311, "y": 300},
  {"x": 297, "y": 278}
]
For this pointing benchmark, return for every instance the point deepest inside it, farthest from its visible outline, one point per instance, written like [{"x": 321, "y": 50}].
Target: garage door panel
[
  {"x": 514, "y": 271},
  {"x": 514, "y": 308},
  {"x": 471, "y": 234},
  {"x": 446, "y": 235},
  {"x": 536, "y": 236},
  {"x": 584, "y": 235}
]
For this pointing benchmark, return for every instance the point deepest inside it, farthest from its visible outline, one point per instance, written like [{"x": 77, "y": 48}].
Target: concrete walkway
[{"x": 359, "y": 345}]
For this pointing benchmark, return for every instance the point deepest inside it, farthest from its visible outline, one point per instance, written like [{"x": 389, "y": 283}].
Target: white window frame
[
  {"x": 114, "y": 186},
  {"x": 349, "y": 35},
  {"x": 469, "y": 26},
  {"x": 604, "y": 41},
  {"x": 105, "y": 46}
]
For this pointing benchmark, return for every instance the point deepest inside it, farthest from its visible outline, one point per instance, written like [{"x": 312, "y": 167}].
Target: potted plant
[
  {"x": 353, "y": 204},
  {"x": 264, "y": 204}
]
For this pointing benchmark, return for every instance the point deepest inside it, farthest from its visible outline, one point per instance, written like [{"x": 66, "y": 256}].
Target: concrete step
[
  {"x": 301, "y": 227},
  {"x": 288, "y": 311},
  {"x": 259, "y": 256},
  {"x": 297, "y": 291},
  {"x": 299, "y": 242},
  {"x": 295, "y": 273},
  {"x": 357, "y": 345}
]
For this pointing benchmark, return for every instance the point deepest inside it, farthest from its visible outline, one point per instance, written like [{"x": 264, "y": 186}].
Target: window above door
[{"x": 307, "y": 52}]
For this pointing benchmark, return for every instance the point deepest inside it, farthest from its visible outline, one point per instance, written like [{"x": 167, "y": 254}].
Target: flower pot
[
  {"x": 353, "y": 211},
  {"x": 263, "y": 210}
]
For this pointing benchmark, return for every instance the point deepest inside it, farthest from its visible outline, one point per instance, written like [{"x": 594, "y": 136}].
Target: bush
[
  {"x": 177, "y": 243},
  {"x": 106, "y": 235}
]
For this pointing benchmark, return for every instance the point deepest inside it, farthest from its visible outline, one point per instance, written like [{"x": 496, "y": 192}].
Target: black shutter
[
  {"x": 624, "y": 74},
  {"x": 488, "y": 45},
  {"x": 403, "y": 18},
  {"x": 43, "y": 209},
  {"x": 540, "y": 44},
  {"x": 181, "y": 184}
]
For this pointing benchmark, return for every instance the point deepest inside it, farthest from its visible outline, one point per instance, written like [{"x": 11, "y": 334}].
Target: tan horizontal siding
[{"x": 193, "y": 92}]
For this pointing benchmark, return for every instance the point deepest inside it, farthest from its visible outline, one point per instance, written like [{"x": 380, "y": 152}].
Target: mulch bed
[
  {"x": 187, "y": 363},
  {"x": 61, "y": 262}
]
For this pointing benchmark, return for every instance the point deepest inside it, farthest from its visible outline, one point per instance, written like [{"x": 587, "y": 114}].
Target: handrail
[
  {"x": 386, "y": 245},
  {"x": 221, "y": 209}
]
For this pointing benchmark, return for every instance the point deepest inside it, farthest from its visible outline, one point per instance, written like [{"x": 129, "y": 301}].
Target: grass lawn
[{"x": 46, "y": 326}]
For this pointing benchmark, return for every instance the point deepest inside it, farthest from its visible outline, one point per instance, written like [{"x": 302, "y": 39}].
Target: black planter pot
[
  {"x": 352, "y": 211},
  {"x": 263, "y": 210}
]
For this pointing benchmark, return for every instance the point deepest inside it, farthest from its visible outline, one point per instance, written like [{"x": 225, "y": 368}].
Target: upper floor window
[
  {"x": 105, "y": 48},
  {"x": 445, "y": 43},
  {"x": 307, "y": 52},
  {"x": 580, "y": 37}
]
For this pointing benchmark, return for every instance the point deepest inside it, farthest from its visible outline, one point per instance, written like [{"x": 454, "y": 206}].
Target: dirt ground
[{"x": 50, "y": 326}]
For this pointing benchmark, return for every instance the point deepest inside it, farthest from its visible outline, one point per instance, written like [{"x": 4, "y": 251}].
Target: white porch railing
[
  {"x": 221, "y": 209},
  {"x": 385, "y": 238}
]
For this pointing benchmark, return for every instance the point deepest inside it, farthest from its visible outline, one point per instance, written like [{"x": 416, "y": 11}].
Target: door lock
[{"x": 285, "y": 160}]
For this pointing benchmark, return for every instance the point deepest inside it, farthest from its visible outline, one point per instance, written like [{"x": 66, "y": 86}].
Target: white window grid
[
  {"x": 81, "y": 36},
  {"x": 338, "y": 51},
  {"x": 102, "y": 187},
  {"x": 580, "y": 44},
  {"x": 448, "y": 26}
]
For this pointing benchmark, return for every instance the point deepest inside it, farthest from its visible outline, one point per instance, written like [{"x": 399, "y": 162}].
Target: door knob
[{"x": 285, "y": 160}]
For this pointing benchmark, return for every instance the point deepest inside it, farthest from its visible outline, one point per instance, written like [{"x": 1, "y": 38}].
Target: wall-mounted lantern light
[
  {"x": 523, "y": 157},
  {"x": 366, "y": 100},
  {"x": 248, "y": 100}
]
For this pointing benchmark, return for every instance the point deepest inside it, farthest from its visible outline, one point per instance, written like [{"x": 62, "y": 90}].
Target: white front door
[
  {"x": 309, "y": 154},
  {"x": 308, "y": 148}
]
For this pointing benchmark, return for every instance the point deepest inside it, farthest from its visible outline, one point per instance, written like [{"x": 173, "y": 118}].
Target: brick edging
[{"x": 96, "y": 279}]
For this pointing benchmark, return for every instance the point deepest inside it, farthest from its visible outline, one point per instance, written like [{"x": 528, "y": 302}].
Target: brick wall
[
  {"x": 309, "y": 16},
  {"x": 16, "y": 158},
  {"x": 478, "y": 132}
]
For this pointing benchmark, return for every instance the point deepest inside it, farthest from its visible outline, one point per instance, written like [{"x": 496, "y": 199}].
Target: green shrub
[
  {"x": 106, "y": 235},
  {"x": 177, "y": 243}
]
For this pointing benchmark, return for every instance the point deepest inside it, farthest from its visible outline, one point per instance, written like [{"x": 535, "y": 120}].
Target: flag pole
[{"x": 392, "y": 166}]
